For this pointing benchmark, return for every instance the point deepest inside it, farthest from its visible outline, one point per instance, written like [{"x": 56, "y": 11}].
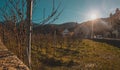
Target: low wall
[{"x": 9, "y": 61}]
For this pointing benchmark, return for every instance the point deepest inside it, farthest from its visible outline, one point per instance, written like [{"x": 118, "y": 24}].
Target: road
[{"x": 111, "y": 41}]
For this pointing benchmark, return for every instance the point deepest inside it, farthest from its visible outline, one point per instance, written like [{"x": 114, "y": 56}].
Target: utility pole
[
  {"x": 29, "y": 22},
  {"x": 92, "y": 30}
]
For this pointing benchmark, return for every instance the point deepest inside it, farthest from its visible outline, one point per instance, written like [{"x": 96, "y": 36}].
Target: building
[{"x": 66, "y": 33}]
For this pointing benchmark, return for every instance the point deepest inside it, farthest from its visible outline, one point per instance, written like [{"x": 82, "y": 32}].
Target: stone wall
[{"x": 9, "y": 61}]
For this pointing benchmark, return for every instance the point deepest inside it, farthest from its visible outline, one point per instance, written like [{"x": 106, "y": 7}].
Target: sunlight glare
[{"x": 93, "y": 16}]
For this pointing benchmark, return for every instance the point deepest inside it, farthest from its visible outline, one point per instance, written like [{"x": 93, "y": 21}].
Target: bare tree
[
  {"x": 29, "y": 21},
  {"x": 17, "y": 22}
]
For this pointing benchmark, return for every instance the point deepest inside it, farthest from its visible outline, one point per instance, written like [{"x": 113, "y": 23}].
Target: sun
[{"x": 93, "y": 16}]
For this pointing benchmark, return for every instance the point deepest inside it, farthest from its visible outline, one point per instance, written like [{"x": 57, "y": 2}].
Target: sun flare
[{"x": 93, "y": 16}]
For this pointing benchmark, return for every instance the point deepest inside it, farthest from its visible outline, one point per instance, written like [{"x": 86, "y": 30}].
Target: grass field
[{"x": 69, "y": 54}]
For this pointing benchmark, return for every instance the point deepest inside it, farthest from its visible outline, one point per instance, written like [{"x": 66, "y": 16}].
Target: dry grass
[{"x": 75, "y": 54}]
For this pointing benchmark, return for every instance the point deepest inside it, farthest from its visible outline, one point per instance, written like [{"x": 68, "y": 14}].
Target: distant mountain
[
  {"x": 35, "y": 25},
  {"x": 51, "y": 28},
  {"x": 98, "y": 26},
  {"x": 68, "y": 25}
]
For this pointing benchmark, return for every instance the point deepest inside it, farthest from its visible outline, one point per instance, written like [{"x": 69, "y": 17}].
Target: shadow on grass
[{"x": 54, "y": 63}]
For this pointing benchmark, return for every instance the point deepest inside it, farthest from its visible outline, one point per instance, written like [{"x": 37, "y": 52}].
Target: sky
[
  {"x": 81, "y": 10},
  {"x": 74, "y": 10}
]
